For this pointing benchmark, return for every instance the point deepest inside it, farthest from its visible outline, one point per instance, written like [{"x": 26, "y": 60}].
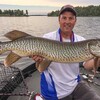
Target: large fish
[{"x": 22, "y": 44}]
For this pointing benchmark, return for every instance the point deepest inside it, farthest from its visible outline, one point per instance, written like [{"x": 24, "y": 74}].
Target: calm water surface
[
  {"x": 88, "y": 27},
  {"x": 35, "y": 25}
]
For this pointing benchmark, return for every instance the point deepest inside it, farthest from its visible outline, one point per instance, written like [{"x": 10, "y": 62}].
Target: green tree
[
  {"x": 27, "y": 12},
  {"x": 0, "y": 11},
  {"x": 82, "y": 11}
]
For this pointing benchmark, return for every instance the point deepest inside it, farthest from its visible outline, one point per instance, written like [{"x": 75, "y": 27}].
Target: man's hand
[
  {"x": 37, "y": 58},
  {"x": 41, "y": 62}
]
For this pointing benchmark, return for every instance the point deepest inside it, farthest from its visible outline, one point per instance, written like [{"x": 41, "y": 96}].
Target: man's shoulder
[
  {"x": 79, "y": 38},
  {"x": 50, "y": 35}
]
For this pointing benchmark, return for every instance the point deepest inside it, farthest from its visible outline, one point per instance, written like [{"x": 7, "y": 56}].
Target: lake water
[{"x": 89, "y": 27}]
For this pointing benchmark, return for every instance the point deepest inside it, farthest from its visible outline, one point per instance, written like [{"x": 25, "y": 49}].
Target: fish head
[{"x": 94, "y": 48}]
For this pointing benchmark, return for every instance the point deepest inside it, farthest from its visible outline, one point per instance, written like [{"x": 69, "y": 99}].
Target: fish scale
[{"x": 53, "y": 50}]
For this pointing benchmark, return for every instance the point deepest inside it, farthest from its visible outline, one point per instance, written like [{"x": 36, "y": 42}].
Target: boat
[{"x": 32, "y": 79}]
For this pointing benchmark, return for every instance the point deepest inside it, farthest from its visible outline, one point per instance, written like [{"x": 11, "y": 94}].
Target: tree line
[
  {"x": 13, "y": 12},
  {"x": 82, "y": 11}
]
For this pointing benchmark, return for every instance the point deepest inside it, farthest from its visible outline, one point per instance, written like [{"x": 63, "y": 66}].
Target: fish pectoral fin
[
  {"x": 11, "y": 58},
  {"x": 15, "y": 34}
]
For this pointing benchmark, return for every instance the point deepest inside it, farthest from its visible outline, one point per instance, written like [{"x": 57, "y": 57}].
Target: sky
[
  {"x": 45, "y": 6},
  {"x": 51, "y": 2}
]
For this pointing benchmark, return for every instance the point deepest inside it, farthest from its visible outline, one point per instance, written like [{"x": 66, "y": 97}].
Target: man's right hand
[
  {"x": 41, "y": 62},
  {"x": 37, "y": 58}
]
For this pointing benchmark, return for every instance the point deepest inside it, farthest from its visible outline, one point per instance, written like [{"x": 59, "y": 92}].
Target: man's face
[{"x": 67, "y": 21}]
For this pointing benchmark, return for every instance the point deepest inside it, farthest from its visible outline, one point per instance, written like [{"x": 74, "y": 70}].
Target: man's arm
[
  {"x": 90, "y": 64},
  {"x": 41, "y": 63}
]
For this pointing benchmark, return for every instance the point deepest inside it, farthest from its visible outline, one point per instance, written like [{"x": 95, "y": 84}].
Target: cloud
[
  {"x": 58, "y": 3},
  {"x": 74, "y": 2}
]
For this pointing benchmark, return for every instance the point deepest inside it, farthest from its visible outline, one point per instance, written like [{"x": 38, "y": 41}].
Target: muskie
[{"x": 22, "y": 44}]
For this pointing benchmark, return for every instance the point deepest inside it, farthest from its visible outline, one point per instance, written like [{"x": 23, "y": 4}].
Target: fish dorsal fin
[
  {"x": 11, "y": 58},
  {"x": 15, "y": 34}
]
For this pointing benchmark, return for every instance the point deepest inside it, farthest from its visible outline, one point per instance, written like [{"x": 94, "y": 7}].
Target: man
[{"x": 61, "y": 81}]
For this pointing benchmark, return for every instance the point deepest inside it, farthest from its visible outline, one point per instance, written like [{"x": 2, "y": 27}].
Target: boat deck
[{"x": 33, "y": 80}]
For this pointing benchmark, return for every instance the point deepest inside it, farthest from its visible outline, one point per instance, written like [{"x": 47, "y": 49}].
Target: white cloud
[{"x": 51, "y": 2}]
